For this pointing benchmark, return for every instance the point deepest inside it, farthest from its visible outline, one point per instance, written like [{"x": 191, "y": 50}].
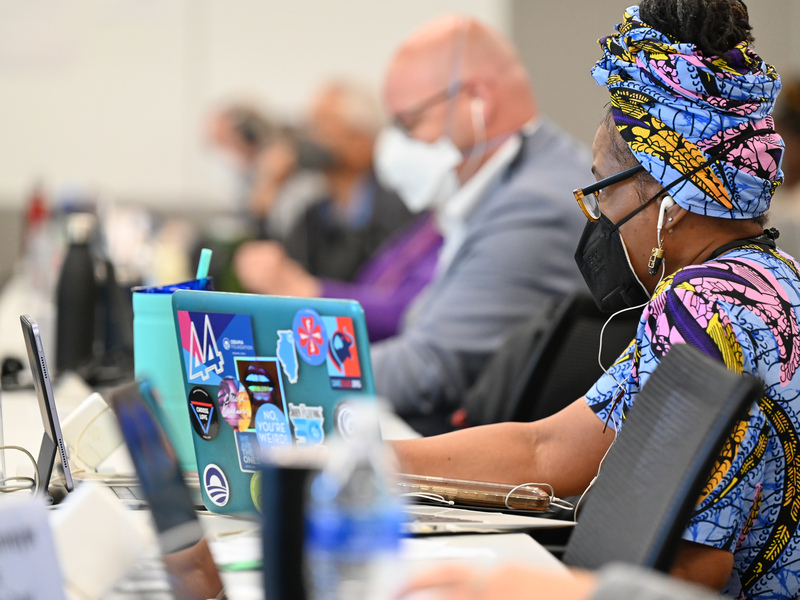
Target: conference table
[{"x": 233, "y": 538}]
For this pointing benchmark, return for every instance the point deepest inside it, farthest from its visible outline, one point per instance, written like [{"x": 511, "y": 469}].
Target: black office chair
[
  {"x": 550, "y": 362},
  {"x": 654, "y": 474}
]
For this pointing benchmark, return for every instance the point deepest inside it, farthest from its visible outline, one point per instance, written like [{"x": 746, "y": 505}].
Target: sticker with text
[
  {"x": 261, "y": 413},
  {"x": 248, "y": 449},
  {"x": 203, "y": 413},
  {"x": 272, "y": 428},
  {"x": 234, "y": 403},
  {"x": 344, "y": 368},
  {"x": 308, "y": 424},
  {"x": 210, "y": 342}
]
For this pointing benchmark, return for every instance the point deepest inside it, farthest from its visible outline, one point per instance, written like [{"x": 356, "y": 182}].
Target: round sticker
[
  {"x": 272, "y": 428},
  {"x": 343, "y": 419},
  {"x": 203, "y": 413},
  {"x": 310, "y": 336},
  {"x": 216, "y": 485},
  {"x": 255, "y": 490},
  {"x": 315, "y": 432}
]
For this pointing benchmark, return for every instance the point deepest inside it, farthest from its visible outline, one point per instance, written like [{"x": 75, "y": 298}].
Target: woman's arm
[{"x": 563, "y": 450}]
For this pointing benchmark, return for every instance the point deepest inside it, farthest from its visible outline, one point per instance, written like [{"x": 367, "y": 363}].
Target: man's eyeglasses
[
  {"x": 588, "y": 198},
  {"x": 407, "y": 119}
]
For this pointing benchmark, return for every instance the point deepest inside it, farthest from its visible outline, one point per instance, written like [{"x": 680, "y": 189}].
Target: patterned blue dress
[{"x": 741, "y": 309}]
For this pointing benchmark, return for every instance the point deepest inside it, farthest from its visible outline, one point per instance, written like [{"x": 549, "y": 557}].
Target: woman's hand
[{"x": 511, "y": 582}]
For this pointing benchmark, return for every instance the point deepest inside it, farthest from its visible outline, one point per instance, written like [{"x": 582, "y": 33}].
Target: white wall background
[
  {"x": 109, "y": 95},
  {"x": 558, "y": 42}
]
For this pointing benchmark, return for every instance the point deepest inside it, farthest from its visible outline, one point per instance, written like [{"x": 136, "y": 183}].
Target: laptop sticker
[
  {"x": 203, "y": 413},
  {"x": 343, "y": 419},
  {"x": 216, "y": 485},
  {"x": 255, "y": 490},
  {"x": 344, "y": 369},
  {"x": 230, "y": 396},
  {"x": 266, "y": 418},
  {"x": 272, "y": 427},
  {"x": 244, "y": 409},
  {"x": 259, "y": 377},
  {"x": 248, "y": 449},
  {"x": 287, "y": 354},
  {"x": 211, "y": 341},
  {"x": 310, "y": 336},
  {"x": 308, "y": 424}
]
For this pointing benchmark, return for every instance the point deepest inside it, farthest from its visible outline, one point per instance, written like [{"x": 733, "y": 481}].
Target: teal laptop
[{"x": 264, "y": 372}]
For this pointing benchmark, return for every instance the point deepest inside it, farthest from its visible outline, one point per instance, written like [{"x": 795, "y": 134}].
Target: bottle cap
[{"x": 80, "y": 227}]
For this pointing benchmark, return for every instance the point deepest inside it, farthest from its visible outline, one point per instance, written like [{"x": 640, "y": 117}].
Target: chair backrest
[
  {"x": 655, "y": 473},
  {"x": 550, "y": 362}
]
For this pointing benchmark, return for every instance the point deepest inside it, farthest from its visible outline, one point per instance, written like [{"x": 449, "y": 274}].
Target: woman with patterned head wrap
[{"x": 686, "y": 163}]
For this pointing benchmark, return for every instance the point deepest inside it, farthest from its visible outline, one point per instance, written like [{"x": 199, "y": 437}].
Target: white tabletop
[
  {"x": 23, "y": 427},
  {"x": 416, "y": 554}
]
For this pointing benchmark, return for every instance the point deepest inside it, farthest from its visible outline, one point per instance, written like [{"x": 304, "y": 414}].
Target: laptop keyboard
[
  {"x": 126, "y": 493},
  {"x": 147, "y": 580}
]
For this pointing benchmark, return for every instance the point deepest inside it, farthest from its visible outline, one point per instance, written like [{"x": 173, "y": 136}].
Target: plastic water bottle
[{"x": 353, "y": 517}]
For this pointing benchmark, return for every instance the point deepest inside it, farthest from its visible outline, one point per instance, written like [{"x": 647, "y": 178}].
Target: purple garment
[{"x": 392, "y": 277}]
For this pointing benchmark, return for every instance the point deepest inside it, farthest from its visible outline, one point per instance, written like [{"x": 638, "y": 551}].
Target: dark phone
[
  {"x": 187, "y": 557},
  {"x": 156, "y": 466},
  {"x": 52, "y": 438}
]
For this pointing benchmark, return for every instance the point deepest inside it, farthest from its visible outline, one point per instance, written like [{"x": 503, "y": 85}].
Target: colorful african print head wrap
[{"x": 678, "y": 109}]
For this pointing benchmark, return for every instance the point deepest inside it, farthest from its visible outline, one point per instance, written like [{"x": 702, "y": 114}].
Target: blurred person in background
[
  {"x": 784, "y": 213},
  {"x": 247, "y": 146},
  {"x": 384, "y": 285},
  {"x": 468, "y": 145},
  {"x": 360, "y": 241},
  {"x": 355, "y": 215},
  {"x": 237, "y": 133}
]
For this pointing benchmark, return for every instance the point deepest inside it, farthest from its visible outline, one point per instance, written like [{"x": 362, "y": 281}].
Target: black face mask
[{"x": 604, "y": 264}]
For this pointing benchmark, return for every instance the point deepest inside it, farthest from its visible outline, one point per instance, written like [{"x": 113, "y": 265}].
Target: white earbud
[
  {"x": 657, "y": 255},
  {"x": 666, "y": 203}
]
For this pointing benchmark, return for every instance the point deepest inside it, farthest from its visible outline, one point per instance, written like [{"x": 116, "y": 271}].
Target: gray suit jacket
[{"x": 518, "y": 252}]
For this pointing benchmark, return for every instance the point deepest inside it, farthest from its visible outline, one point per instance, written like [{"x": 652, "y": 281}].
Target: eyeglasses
[
  {"x": 588, "y": 198},
  {"x": 407, "y": 119},
  {"x": 590, "y": 203}
]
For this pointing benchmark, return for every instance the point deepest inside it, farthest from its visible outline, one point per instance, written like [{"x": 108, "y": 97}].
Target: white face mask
[{"x": 422, "y": 173}]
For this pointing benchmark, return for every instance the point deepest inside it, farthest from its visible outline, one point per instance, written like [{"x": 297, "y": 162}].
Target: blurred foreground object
[{"x": 354, "y": 517}]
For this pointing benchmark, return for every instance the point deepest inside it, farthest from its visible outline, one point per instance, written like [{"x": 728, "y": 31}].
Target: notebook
[{"x": 264, "y": 372}]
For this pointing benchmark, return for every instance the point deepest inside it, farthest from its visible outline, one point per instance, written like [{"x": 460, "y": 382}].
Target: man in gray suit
[{"x": 468, "y": 142}]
